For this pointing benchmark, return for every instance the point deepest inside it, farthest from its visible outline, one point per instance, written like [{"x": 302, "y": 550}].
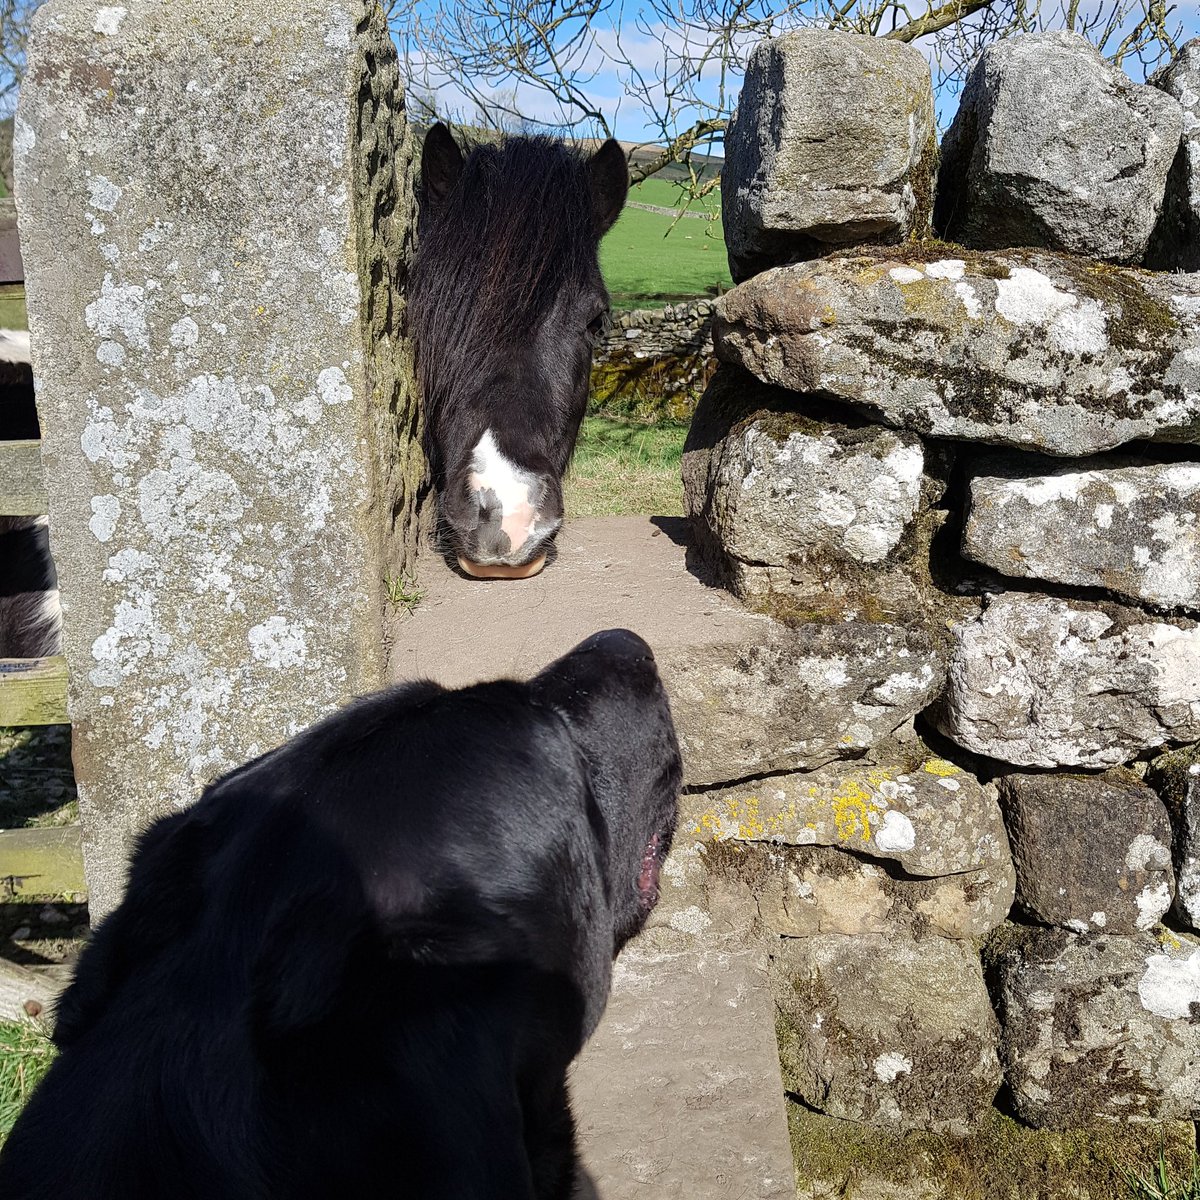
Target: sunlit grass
[
  {"x": 643, "y": 267},
  {"x": 622, "y": 468},
  {"x": 26, "y": 1053}
]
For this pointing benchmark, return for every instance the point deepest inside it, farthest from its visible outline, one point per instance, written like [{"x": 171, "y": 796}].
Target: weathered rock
[
  {"x": 940, "y": 827},
  {"x": 797, "y": 697},
  {"x": 1099, "y": 1026},
  {"x": 820, "y": 517},
  {"x": 1001, "y": 1160},
  {"x": 1042, "y": 682},
  {"x": 1175, "y": 244},
  {"x": 1053, "y": 146},
  {"x": 1133, "y": 530},
  {"x": 833, "y": 142},
  {"x": 1027, "y": 349},
  {"x": 1176, "y": 778},
  {"x": 889, "y": 1031},
  {"x": 1092, "y": 854},
  {"x": 800, "y": 891},
  {"x": 905, "y": 804},
  {"x": 225, "y": 407}
]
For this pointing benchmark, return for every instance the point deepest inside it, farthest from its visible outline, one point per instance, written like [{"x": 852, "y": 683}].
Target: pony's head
[{"x": 506, "y": 306}]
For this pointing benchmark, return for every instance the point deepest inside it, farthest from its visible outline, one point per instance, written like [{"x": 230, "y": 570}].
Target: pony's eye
[{"x": 598, "y": 325}]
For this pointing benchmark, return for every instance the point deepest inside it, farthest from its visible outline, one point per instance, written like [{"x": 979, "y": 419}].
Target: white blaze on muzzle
[{"x": 512, "y": 486}]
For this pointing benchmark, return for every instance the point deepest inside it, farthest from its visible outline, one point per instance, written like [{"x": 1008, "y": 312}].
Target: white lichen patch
[
  {"x": 108, "y": 19},
  {"x": 946, "y": 268},
  {"x": 1147, "y": 853},
  {"x": 904, "y": 275},
  {"x": 119, "y": 311},
  {"x": 332, "y": 386},
  {"x": 1082, "y": 329},
  {"x": 105, "y": 511},
  {"x": 1027, "y": 297},
  {"x": 1152, "y": 901},
  {"x": 278, "y": 643},
  {"x": 891, "y": 1064},
  {"x": 24, "y": 138},
  {"x": 185, "y": 333},
  {"x": 896, "y": 832},
  {"x": 103, "y": 194},
  {"x": 1170, "y": 987},
  {"x": 970, "y": 299}
]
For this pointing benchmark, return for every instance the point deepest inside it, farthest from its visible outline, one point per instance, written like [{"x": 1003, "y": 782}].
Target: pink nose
[{"x": 518, "y": 524}]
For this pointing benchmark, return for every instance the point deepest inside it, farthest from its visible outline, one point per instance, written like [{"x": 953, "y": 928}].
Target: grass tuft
[
  {"x": 403, "y": 592},
  {"x": 26, "y": 1053},
  {"x": 623, "y": 468},
  {"x": 1160, "y": 1185}
]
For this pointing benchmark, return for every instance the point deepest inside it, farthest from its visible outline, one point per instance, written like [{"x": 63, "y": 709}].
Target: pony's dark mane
[{"x": 515, "y": 231}]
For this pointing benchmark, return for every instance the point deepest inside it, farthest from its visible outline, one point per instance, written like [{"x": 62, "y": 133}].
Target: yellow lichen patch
[
  {"x": 941, "y": 768},
  {"x": 852, "y": 810}
]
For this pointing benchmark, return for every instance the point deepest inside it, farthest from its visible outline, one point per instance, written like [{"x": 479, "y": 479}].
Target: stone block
[
  {"x": 1175, "y": 776},
  {"x": 833, "y": 142},
  {"x": 1054, "y": 146},
  {"x": 805, "y": 514},
  {"x": 798, "y": 697},
  {"x": 1029, "y": 349},
  {"x": 215, "y": 215},
  {"x": 1041, "y": 682},
  {"x": 1175, "y": 243},
  {"x": 1129, "y": 529},
  {"x": 887, "y": 1031},
  {"x": 1100, "y": 1027},
  {"x": 1092, "y": 855}
]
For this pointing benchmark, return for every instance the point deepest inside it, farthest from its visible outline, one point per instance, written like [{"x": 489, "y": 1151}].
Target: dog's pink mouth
[{"x": 647, "y": 883}]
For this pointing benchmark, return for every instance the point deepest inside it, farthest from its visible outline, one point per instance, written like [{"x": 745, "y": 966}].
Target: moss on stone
[{"x": 1003, "y": 1160}]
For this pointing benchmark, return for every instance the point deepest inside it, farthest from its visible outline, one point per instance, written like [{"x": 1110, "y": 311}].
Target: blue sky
[{"x": 607, "y": 88}]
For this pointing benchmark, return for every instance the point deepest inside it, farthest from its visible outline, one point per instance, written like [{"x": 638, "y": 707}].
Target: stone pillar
[{"x": 215, "y": 213}]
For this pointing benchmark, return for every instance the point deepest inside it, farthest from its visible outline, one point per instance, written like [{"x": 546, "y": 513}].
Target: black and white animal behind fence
[
  {"x": 507, "y": 303},
  {"x": 30, "y": 615}
]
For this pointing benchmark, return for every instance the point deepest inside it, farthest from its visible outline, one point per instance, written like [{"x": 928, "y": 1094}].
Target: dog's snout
[{"x": 619, "y": 643}]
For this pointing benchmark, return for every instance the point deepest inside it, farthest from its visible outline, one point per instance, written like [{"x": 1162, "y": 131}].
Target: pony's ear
[
  {"x": 441, "y": 164},
  {"x": 609, "y": 176}
]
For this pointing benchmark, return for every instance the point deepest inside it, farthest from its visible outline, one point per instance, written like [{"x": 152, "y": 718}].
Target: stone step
[
  {"x": 611, "y": 572},
  {"x": 679, "y": 1092},
  {"x": 750, "y": 695}
]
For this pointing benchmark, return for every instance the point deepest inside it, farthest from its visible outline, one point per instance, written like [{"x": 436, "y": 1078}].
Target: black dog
[{"x": 361, "y": 964}]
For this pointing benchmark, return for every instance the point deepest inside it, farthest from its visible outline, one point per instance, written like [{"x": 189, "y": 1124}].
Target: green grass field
[
  {"x": 646, "y": 263},
  {"x": 666, "y": 194},
  {"x": 622, "y": 468}
]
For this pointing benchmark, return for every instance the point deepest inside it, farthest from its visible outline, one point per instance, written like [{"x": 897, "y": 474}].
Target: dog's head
[{"x": 505, "y": 824}]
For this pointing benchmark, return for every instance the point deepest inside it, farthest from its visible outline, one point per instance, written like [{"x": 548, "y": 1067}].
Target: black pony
[{"x": 506, "y": 305}]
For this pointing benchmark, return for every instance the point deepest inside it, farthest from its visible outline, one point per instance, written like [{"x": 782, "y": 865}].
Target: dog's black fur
[
  {"x": 506, "y": 305},
  {"x": 362, "y": 963}
]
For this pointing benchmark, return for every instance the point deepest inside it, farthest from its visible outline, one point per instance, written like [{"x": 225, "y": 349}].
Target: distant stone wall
[
  {"x": 654, "y": 363},
  {"x": 229, "y": 423},
  {"x": 966, "y": 471}
]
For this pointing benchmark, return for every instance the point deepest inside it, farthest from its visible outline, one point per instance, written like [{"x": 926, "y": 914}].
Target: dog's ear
[
  {"x": 300, "y": 972},
  {"x": 441, "y": 165},
  {"x": 161, "y": 900},
  {"x": 608, "y": 173}
]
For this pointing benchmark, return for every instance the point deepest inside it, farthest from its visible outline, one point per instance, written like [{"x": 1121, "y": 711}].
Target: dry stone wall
[
  {"x": 955, "y": 459},
  {"x": 655, "y": 362}
]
